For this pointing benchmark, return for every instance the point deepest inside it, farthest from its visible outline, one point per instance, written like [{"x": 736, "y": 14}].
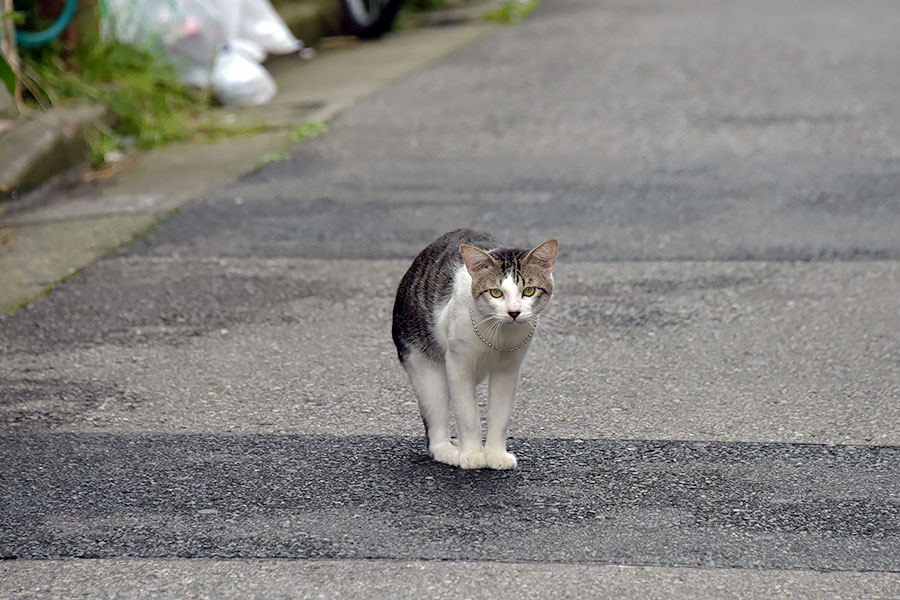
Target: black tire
[{"x": 369, "y": 19}]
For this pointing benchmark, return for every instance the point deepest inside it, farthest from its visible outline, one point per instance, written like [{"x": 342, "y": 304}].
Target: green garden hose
[{"x": 35, "y": 39}]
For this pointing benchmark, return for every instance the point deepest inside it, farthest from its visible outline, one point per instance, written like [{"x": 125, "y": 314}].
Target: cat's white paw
[
  {"x": 445, "y": 453},
  {"x": 501, "y": 460},
  {"x": 473, "y": 459}
]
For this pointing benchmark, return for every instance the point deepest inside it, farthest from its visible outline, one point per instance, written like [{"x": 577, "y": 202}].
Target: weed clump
[{"x": 150, "y": 106}]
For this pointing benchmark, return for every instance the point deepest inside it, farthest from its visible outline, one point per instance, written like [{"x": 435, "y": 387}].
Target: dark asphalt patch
[
  {"x": 821, "y": 208},
  {"x": 615, "y": 502}
]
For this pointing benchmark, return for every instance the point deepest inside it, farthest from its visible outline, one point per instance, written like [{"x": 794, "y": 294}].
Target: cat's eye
[
  {"x": 529, "y": 291},
  {"x": 495, "y": 293}
]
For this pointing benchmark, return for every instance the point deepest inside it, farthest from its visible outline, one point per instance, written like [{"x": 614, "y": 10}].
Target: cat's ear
[
  {"x": 477, "y": 260},
  {"x": 544, "y": 255}
]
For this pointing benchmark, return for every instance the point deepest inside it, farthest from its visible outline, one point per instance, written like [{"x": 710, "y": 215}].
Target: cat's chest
[
  {"x": 463, "y": 344},
  {"x": 494, "y": 362}
]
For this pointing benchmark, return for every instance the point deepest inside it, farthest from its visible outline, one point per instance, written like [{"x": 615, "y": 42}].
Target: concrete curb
[{"x": 41, "y": 147}]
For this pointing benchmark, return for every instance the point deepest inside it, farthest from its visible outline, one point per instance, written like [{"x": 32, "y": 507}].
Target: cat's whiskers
[
  {"x": 490, "y": 327},
  {"x": 494, "y": 329}
]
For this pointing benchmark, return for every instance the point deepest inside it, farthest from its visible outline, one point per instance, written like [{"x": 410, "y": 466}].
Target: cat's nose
[{"x": 514, "y": 314}]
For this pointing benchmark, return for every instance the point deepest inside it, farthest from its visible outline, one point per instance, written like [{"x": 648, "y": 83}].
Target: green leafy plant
[{"x": 16, "y": 16}]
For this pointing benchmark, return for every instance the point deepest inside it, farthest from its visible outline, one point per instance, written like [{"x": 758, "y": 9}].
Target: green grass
[
  {"x": 270, "y": 157},
  {"x": 512, "y": 11},
  {"x": 306, "y": 131},
  {"x": 296, "y": 135},
  {"x": 150, "y": 107}
]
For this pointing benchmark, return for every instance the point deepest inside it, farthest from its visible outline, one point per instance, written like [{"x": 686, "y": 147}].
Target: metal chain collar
[{"x": 492, "y": 346}]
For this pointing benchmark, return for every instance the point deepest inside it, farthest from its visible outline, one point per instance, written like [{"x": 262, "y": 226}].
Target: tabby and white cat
[{"x": 467, "y": 309}]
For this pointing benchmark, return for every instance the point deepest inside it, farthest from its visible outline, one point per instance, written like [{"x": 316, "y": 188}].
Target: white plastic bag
[
  {"x": 217, "y": 43},
  {"x": 252, "y": 28},
  {"x": 261, "y": 24},
  {"x": 237, "y": 79},
  {"x": 248, "y": 49}
]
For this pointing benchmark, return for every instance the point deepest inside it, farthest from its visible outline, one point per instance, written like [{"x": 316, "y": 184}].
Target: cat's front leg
[
  {"x": 429, "y": 380},
  {"x": 461, "y": 381},
  {"x": 501, "y": 398}
]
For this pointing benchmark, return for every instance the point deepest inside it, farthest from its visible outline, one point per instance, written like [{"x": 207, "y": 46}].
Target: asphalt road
[{"x": 710, "y": 410}]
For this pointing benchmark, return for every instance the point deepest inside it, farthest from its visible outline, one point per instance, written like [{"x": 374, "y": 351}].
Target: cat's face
[
  {"x": 512, "y": 297},
  {"x": 511, "y": 286}
]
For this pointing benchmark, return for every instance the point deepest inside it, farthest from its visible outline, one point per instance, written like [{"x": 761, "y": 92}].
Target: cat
[{"x": 466, "y": 310}]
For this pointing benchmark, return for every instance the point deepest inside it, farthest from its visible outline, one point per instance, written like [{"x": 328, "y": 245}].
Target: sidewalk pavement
[{"x": 48, "y": 235}]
